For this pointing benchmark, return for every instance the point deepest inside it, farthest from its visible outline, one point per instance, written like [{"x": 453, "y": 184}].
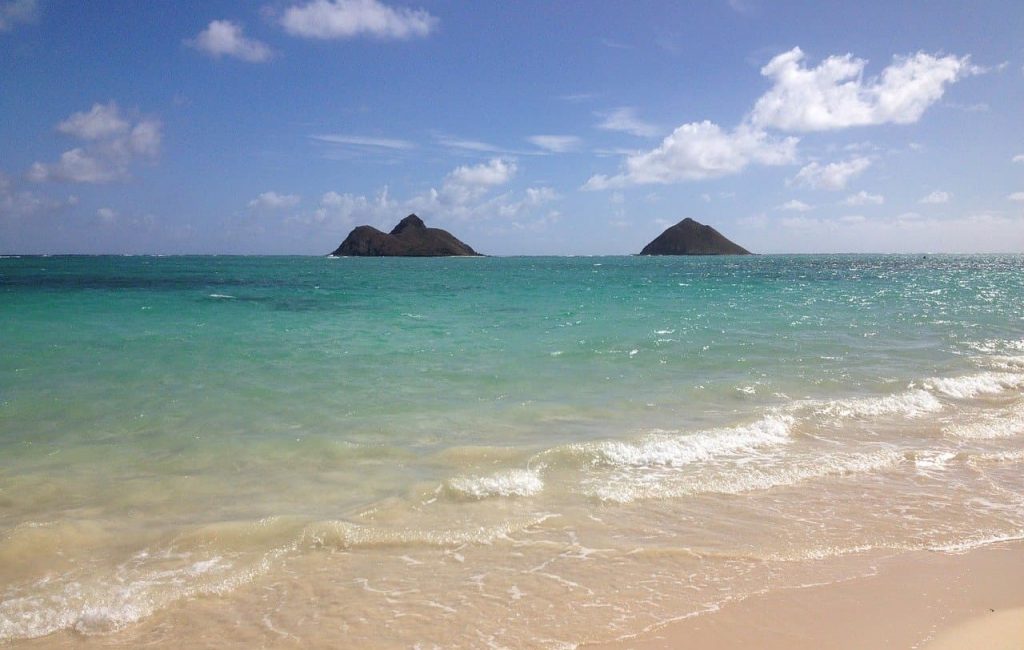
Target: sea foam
[
  {"x": 912, "y": 403},
  {"x": 509, "y": 483},
  {"x": 675, "y": 450},
  {"x": 105, "y": 604},
  {"x": 348, "y": 535},
  {"x": 970, "y": 386},
  {"x": 1006, "y": 424},
  {"x": 742, "y": 478}
]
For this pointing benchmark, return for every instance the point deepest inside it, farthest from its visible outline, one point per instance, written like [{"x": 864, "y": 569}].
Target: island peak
[
  {"x": 412, "y": 221},
  {"x": 409, "y": 238},
  {"x": 690, "y": 237}
]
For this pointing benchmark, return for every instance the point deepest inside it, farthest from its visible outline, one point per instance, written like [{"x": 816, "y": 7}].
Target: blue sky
[{"x": 523, "y": 127}]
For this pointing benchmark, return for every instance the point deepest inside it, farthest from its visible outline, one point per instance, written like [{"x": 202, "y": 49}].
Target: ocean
[{"x": 486, "y": 452}]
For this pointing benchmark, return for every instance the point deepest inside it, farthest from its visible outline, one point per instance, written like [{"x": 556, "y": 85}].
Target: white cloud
[
  {"x": 538, "y": 224},
  {"x": 344, "y": 209},
  {"x": 555, "y": 143},
  {"x": 144, "y": 139},
  {"x": 497, "y": 171},
  {"x": 468, "y": 183},
  {"x": 273, "y": 201},
  {"x": 476, "y": 146},
  {"x": 624, "y": 119},
  {"x": 114, "y": 142},
  {"x": 1016, "y": 196},
  {"x": 76, "y": 166},
  {"x": 835, "y": 95},
  {"x": 225, "y": 38},
  {"x": 17, "y": 11},
  {"x": 364, "y": 141},
  {"x": 938, "y": 196},
  {"x": 533, "y": 197},
  {"x": 1019, "y": 158},
  {"x": 863, "y": 198},
  {"x": 465, "y": 193},
  {"x": 795, "y": 206},
  {"x": 540, "y": 195},
  {"x": 18, "y": 204},
  {"x": 328, "y": 19},
  {"x": 107, "y": 215},
  {"x": 469, "y": 145},
  {"x": 102, "y": 121},
  {"x": 833, "y": 176},
  {"x": 696, "y": 151}
]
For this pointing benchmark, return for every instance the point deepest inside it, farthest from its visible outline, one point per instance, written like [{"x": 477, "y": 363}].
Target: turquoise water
[{"x": 235, "y": 416}]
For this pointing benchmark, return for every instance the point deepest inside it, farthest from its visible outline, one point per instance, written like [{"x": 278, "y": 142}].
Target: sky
[{"x": 524, "y": 128}]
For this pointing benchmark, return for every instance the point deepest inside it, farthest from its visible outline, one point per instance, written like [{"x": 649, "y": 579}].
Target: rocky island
[
  {"x": 410, "y": 238},
  {"x": 689, "y": 237}
]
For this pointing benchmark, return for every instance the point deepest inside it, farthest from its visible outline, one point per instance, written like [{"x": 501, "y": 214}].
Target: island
[
  {"x": 689, "y": 237},
  {"x": 410, "y": 238}
]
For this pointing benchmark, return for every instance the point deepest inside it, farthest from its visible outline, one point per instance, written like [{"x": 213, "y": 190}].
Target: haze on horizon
[{"x": 276, "y": 126}]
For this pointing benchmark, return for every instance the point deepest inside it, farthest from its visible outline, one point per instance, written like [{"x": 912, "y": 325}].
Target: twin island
[{"x": 412, "y": 238}]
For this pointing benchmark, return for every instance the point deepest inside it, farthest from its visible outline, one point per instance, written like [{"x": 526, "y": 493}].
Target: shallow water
[{"x": 523, "y": 452}]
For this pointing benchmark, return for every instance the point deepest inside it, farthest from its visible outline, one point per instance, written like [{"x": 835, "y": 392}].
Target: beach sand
[{"x": 923, "y": 600}]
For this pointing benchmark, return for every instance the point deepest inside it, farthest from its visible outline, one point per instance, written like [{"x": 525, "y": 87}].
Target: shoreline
[{"x": 927, "y": 600}]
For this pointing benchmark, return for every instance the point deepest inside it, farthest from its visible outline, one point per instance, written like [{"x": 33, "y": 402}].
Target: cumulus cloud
[
  {"x": 833, "y": 176},
  {"x": 102, "y": 121},
  {"x": 1016, "y": 196},
  {"x": 1019, "y": 158},
  {"x": 338, "y": 19},
  {"x": 113, "y": 142},
  {"x": 795, "y": 206},
  {"x": 467, "y": 192},
  {"x": 17, "y": 12},
  {"x": 532, "y": 197},
  {"x": 624, "y": 119},
  {"x": 107, "y": 215},
  {"x": 938, "y": 196},
  {"x": 497, "y": 171},
  {"x": 555, "y": 143},
  {"x": 468, "y": 183},
  {"x": 343, "y": 209},
  {"x": 835, "y": 94},
  {"x": 76, "y": 166},
  {"x": 864, "y": 198},
  {"x": 696, "y": 151},
  {"x": 16, "y": 204},
  {"x": 144, "y": 139},
  {"x": 225, "y": 38},
  {"x": 269, "y": 201}
]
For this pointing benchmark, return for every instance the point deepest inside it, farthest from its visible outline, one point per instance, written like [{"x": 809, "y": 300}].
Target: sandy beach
[{"x": 924, "y": 600}]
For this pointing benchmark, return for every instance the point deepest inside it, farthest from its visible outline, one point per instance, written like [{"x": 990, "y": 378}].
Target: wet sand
[{"x": 925, "y": 600}]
